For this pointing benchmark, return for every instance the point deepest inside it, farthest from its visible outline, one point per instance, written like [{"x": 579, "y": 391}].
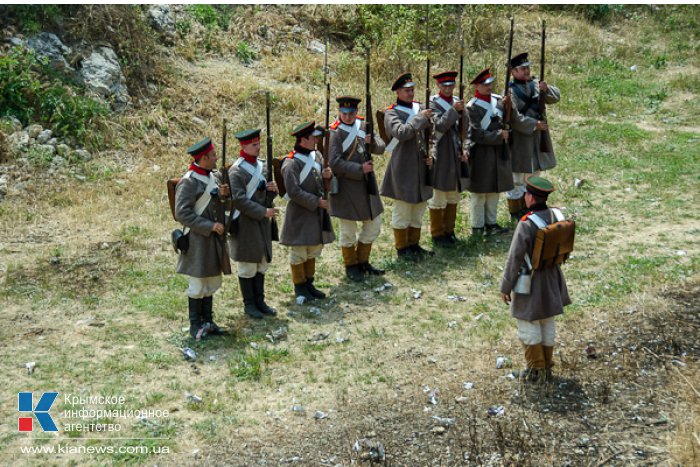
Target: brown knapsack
[
  {"x": 277, "y": 174},
  {"x": 554, "y": 241},
  {"x": 172, "y": 186}
]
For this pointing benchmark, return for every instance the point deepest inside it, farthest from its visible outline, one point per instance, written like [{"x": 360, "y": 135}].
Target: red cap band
[{"x": 206, "y": 150}]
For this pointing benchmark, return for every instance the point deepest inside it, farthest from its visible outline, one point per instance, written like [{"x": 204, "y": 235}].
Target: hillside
[{"x": 90, "y": 295}]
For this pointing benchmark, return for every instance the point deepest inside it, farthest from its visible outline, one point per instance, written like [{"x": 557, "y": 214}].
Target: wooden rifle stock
[
  {"x": 370, "y": 177},
  {"x": 269, "y": 197},
  {"x": 545, "y": 138},
  {"x": 506, "y": 92},
  {"x": 225, "y": 260}
]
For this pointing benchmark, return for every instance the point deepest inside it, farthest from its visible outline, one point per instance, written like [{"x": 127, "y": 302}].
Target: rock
[
  {"x": 82, "y": 154},
  {"x": 161, "y": 18},
  {"x": 13, "y": 122},
  {"x": 189, "y": 354},
  {"x": 317, "y": 47},
  {"x": 34, "y": 130},
  {"x": 44, "y": 137},
  {"x": 62, "y": 150},
  {"x": 198, "y": 121},
  {"x": 103, "y": 76},
  {"x": 15, "y": 42},
  {"x": 52, "y": 141},
  {"x": 58, "y": 161},
  {"x": 49, "y": 46},
  {"x": 30, "y": 367},
  {"x": 46, "y": 149}
]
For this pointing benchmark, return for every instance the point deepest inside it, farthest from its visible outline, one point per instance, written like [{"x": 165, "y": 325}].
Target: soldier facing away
[
  {"x": 526, "y": 150},
  {"x": 250, "y": 242},
  {"x": 198, "y": 200},
  {"x": 405, "y": 176},
  {"x": 307, "y": 224},
  {"x": 355, "y": 201}
]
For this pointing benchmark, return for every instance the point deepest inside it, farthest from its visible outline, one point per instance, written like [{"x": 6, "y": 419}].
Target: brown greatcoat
[
  {"x": 303, "y": 218},
  {"x": 525, "y": 150},
  {"x": 446, "y": 169},
  {"x": 253, "y": 240},
  {"x": 489, "y": 171},
  {"x": 203, "y": 258},
  {"x": 404, "y": 178},
  {"x": 549, "y": 294},
  {"x": 352, "y": 201}
]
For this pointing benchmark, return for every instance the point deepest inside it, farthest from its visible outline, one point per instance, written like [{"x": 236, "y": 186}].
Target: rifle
[
  {"x": 429, "y": 130},
  {"x": 545, "y": 139},
  {"x": 274, "y": 231},
  {"x": 331, "y": 185},
  {"x": 506, "y": 92},
  {"x": 370, "y": 177},
  {"x": 225, "y": 260},
  {"x": 463, "y": 166}
]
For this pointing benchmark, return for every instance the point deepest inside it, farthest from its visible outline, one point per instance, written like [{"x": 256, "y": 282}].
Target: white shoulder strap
[
  {"x": 411, "y": 115},
  {"x": 255, "y": 179},
  {"x": 203, "y": 201}
]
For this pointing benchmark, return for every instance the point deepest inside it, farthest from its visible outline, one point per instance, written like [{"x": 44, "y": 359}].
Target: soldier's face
[
  {"x": 405, "y": 94},
  {"x": 208, "y": 161},
  {"x": 446, "y": 89},
  {"x": 521, "y": 73},
  {"x": 348, "y": 117},
  {"x": 484, "y": 89},
  {"x": 308, "y": 142},
  {"x": 252, "y": 149}
]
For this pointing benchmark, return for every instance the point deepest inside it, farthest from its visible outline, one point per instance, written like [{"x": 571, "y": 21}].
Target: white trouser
[
  {"x": 300, "y": 254},
  {"x": 541, "y": 331},
  {"x": 201, "y": 287},
  {"x": 368, "y": 233},
  {"x": 441, "y": 199},
  {"x": 249, "y": 270},
  {"x": 518, "y": 190},
  {"x": 484, "y": 208},
  {"x": 405, "y": 215}
]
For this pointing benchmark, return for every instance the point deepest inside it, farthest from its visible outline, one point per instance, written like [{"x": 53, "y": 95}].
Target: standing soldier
[
  {"x": 251, "y": 240},
  {"x": 548, "y": 294},
  {"x": 405, "y": 177},
  {"x": 526, "y": 150},
  {"x": 358, "y": 198},
  {"x": 307, "y": 224},
  {"x": 447, "y": 184},
  {"x": 489, "y": 157},
  {"x": 198, "y": 201}
]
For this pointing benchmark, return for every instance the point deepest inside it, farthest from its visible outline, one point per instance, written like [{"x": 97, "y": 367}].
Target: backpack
[
  {"x": 172, "y": 186},
  {"x": 554, "y": 241}
]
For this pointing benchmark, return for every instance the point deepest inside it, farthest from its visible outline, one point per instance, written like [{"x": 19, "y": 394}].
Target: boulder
[
  {"x": 49, "y": 46},
  {"x": 317, "y": 47},
  {"x": 19, "y": 140},
  {"x": 82, "y": 154},
  {"x": 103, "y": 76},
  {"x": 63, "y": 150},
  {"x": 34, "y": 130},
  {"x": 43, "y": 137},
  {"x": 46, "y": 149},
  {"x": 161, "y": 18}
]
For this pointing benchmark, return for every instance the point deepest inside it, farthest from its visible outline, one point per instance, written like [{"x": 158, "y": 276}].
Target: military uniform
[
  {"x": 304, "y": 221},
  {"x": 202, "y": 261},
  {"x": 404, "y": 179},
  {"x": 250, "y": 240},
  {"x": 525, "y": 149},
  {"x": 447, "y": 183},
  {"x": 548, "y": 295},
  {"x": 490, "y": 166},
  {"x": 353, "y": 203}
]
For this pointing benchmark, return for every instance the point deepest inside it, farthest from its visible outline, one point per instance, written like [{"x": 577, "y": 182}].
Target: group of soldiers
[{"x": 425, "y": 170}]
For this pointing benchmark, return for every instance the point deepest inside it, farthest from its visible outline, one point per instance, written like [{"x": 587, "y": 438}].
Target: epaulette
[
  {"x": 360, "y": 117},
  {"x": 524, "y": 218},
  {"x": 391, "y": 107},
  {"x": 335, "y": 125},
  {"x": 291, "y": 154}
]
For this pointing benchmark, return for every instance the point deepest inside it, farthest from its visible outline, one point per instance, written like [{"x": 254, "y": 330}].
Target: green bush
[
  {"x": 245, "y": 53},
  {"x": 212, "y": 17}
]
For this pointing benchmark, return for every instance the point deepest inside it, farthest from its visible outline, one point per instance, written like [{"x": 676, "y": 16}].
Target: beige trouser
[
  {"x": 201, "y": 287},
  {"x": 441, "y": 199},
  {"x": 368, "y": 233},
  {"x": 518, "y": 190},
  {"x": 405, "y": 215},
  {"x": 249, "y": 270},
  {"x": 541, "y": 331},
  {"x": 484, "y": 205},
  {"x": 300, "y": 254}
]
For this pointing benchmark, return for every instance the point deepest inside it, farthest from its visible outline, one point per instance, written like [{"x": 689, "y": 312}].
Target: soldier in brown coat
[
  {"x": 447, "y": 184},
  {"x": 358, "y": 198},
  {"x": 198, "y": 200},
  {"x": 526, "y": 152},
  {"x": 307, "y": 225},
  {"x": 490, "y": 167},
  {"x": 250, "y": 242},
  {"x": 404, "y": 179},
  {"x": 548, "y": 295}
]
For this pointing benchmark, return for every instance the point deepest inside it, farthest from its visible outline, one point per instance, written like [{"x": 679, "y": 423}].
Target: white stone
[
  {"x": 44, "y": 137},
  {"x": 34, "y": 130}
]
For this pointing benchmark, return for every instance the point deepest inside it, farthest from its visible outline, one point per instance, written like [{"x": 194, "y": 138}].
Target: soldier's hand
[
  {"x": 327, "y": 173},
  {"x": 506, "y": 101},
  {"x": 224, "y": 191},
  {"x": 367, "y": 167},
  {"x": 506, "y": 298},
  {"x": 270, "y": 212},
  {"x": 543, "y": 86},
  {"x": 429, "y": 161},
  {"x": 368, "y": 139},
  {"x": 218, "y": 227},
  {"x": 427, "y": 113},
  {"x": 504, "y": 134},
  {"x": 542, "y": 126},
  {"x": 271, "y": 186},
  {"x": 458, "y": 106},
  {"x": 323, "y": 203}
]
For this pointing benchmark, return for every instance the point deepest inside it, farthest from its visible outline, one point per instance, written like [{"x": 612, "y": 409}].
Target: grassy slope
[{"x": 89, "y": 289}]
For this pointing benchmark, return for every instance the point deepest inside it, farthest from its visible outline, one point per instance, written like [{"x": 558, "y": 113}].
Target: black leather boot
[
  {"x": 195, "y": 311},
  {"x": 248, "y": 292},
  {"x": 259, "y": 287},
  {"x": 207, "y": 316},
  {"x": 313, "y": 290}
]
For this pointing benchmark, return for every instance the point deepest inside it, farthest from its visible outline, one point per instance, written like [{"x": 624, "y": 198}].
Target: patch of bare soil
[{"x": 620, "y": 402}]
